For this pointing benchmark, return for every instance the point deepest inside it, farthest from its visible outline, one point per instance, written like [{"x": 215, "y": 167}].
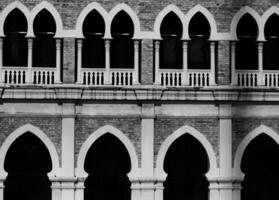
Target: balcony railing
[
  {"x": 43, "y": 76},
  {"x": 199, "y": 78},
  {"x": 246, "y": 78},
  {"x": 14, "y": 75}
]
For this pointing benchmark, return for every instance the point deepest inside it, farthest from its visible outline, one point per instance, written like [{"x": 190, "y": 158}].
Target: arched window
[
  {"x": 171, "y": 45},
  {"x": 44, "y": 46},
  {"x": 246, "y": 46},
  {"x": 15, "y": 43},
  {"x": 186, "y": 163},
  {"x": 260, "y": 165},
  {"x": 122, "y": 48},
  {"x": 107, "y": 164},
  {"x": 199, "y": 46},
  {"x": 27, "y": 163},
  {"x": 271, "y": 46},
  {"x": 93, "y": 52}
]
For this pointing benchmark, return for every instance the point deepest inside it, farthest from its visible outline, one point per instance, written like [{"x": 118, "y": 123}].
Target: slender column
[
  {"x": 1, "y": 62},
  {"x": 225, "y": 149},
  {"x": 79, "y": 192},
  {"x": 136, "y": 62},
  {"x": 213, "y": 189},
  {"x": 237, "y": 189},
  {"x": 212, "y": 63},
  {"x": 260, "y": 64},
  {"x": 233, "y": 75},
  {"x": 135, "y": 190},
  {"x": 29, "y": 61},
  {"x": 79, "y": 61},
  {"x": 58, "y": 60},
  {"x": 159, "y": 190},
  {"x": 107, "y": 80},
  {"x": 2, "y": 188},
  {"x": 157, "y": 62},
  {"x": 185, "y": 63},
  {"x": 55, "y": 189}
]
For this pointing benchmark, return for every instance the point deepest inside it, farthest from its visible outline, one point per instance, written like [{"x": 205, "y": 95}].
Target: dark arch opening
[
  {"x": 186, "y": 163},
  {"x": 107, "y": 164},
  {"x": 171, "y": 45},
  {"x": 15, "y": 44},
  {"x": 260, "y": 165},
  {"x": 199, "y": 46},
  {"x": 44, "y": 44},
  {"x": 27, "y": 163},
  {"x": 271, "y": 46},
  {"x": 122, "y": 46},
  {"x": 246, "y": 47},
  {"x": 93, "y": 49}
]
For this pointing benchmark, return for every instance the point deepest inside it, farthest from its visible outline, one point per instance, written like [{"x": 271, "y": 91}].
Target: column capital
[
  {"x": 58, "y": 43},
  {"x": 157, "y": 45},
  {"x": 79, "y": 43},
  {"x": 212, "y": 45}
]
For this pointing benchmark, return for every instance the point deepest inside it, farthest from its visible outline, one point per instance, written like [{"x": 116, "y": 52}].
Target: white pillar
[
  {"x": 213, "y": 189},
  {"x": 135, "y": 190},
  {"x": 107, "y": 80},
  {"x": 79, "y": 192},
  {"x": 185, "y": 80},
  {"x": 237, "y": 189},
  {"x": 1, "y": 61},
  {"x": 2, "y": 188},
  {"x": 225, "y": 149},
  {"x": 157, "y": 62},
  {"x": 233, "y": 75},
  {"x": 55, "y": 189},
  {"x": 29, "y": 78},
  {"x": 136, "y": 63},
  {"x": 260, "y": 64},
  {"x": 58, "y": 60},
  {"x": 79, "y": 61},
  {"x": 212, "y": 63}
]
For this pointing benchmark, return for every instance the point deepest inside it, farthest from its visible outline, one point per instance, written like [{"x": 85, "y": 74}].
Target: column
[
  {"x": 55, "y": 189},
  {"x": 68, "y": 151},
  {"x": 107, "y": 80},
  {"x": 212, "y": 63},
  {"x": 237, "y": 189},
  {"x": 136, "y": 63},
  {"x": 135, "y": 190},
  {"x": 185, "y": 63},
  {"x": 157, "y": 62},
  {"x": 233, "y": 74},
  {"x": 79, "y": 61},
  {"x": 147, "y": 152},
  {"x": 1, "y": 61},
  {"x": 29, "y": 61},
  {"x": 225, "y": 149},
  {"x": 79, "y": 193},
  {"x": 159, "y": 190},
  {"x": 58, "y": 61},
  {"x": 260, "y": 64},
  {"x": 213, "y": 189},
  {"x": 2, "y": 179}
]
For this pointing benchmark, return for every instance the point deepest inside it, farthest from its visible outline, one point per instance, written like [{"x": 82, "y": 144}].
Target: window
[
  {"x": 44, "y": 46},
  {"x": 171, "y": 45},
  {"x": 15, "y": 44}
]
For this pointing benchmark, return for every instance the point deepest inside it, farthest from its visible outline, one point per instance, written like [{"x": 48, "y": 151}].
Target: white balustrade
[
  {"x": 121, "y": 77},
  {"x": 93, "y": 77},
  {"x": 245, "y": 78},
  {"x": 199, "y": 78},
  {"x": 271, "y": 78},
  {"x": 171, "y": 77},
  {"x": 43, "y": 76},
  {"x": 14, "y": 75}
]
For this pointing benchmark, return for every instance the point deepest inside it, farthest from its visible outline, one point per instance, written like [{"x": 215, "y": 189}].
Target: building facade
[{"x": 139, "y": 100}]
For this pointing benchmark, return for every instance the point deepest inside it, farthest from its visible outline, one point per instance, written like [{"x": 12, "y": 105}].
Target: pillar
[
  {"x": 55, "y": 189},
  {"x": 29, "y": 61},
  {"x": 58, "y": 61},
  {"x": 185, "y": 63},
  {"x": 225, "y": 149},
  {"x": 212, "y": 63},
  {"x": 79, "y": 193},
  {"x": 159, "y": 190},
  {"x": 213, "y": 189},
  {"x": 107, "y": 80},
  {"x": 136, "y": 63},
  {"x": 260, "y": 64},
  {"x": 1, "y": 60},
  {"x": 79, "y": 61},
  {"x": 157, "y": 62},
  {"x": 237, "y": 189},
  {"x": 2, "y": 179},
  {"x": 233, "y": 75}
]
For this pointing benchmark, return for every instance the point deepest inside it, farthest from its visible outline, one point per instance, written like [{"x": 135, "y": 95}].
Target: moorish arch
[
  {"x": 267, "y": 14},
  {"x": 39, "y": 134}
]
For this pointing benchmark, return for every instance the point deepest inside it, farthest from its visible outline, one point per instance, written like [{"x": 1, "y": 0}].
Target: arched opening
[
  {"x": 260, "y": 166},
  {"x": 93, "y": 48},
  {"x": 27, "y": 163},
  {"x": 44, "y": 45},
  {"x": 271, "y": 46},
  {"x": 186, "y": 163},
  {"x": 15, "y": 43},
  {"x": 246, "y": 46},
  {"x": 122, "y": 48},
  {"x": 107, "y": 164},
  {"x": 199, "y": 46},
  {"x": 171, "y": 44}
]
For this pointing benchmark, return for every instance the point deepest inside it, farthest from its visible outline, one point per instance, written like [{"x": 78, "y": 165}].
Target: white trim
[
  {"x": 210, "y": 18},
  {"x": 158, "y": 21},
  {"x": 80, "y": 172},
  {"x": 262, "y": 129},
  {"x": 268, "y": 13},
  {"x": 213, "y": 170},
  {"x": 8, "y": 9},
  {"x": 42, "y": 136},
  {"x": 124, "y": 7},
  {"x": 50, "y": 8},
  {"x": 90, "y": 7},
  {"x": 246, "y": 10}
]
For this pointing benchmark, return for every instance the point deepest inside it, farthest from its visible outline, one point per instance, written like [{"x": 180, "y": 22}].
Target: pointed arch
[
  {"x": 97, "y": 134},
  {"x": 51, "y": 9},
  {"x": 127, "y": 9},
  {"x": 207, "y": 15},
  {"x": 213, "y": 170},
  {"x": 246, "y": 141},
  {"x": 246, "y": 10},
  {"x": 160, "y": 17},
  {"x": 267, "y": 14},
  {"x": 89, "y": 8},
  {"x": 41, "y": 135},
  {"x": 7, "y": 10}
]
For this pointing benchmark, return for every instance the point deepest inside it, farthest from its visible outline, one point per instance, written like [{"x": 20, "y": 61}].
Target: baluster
[
  {"x": 23, "y": 77},
  {"x": 190, "y": 79},
  {"x": 171, "y": 79},
  {"x": 162, "y": 78}
]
